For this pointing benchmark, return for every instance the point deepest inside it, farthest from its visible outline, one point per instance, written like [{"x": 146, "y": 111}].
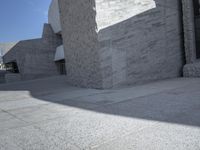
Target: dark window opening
[
  {"x": 197, "y": 26},
  {"x": 12, "y": 67},
  {"x": 196, "y": 7},
  {"x": 61, "y": 67}
]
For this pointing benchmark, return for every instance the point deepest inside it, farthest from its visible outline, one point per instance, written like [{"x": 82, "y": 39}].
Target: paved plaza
[{"x": 48, "y": 114}]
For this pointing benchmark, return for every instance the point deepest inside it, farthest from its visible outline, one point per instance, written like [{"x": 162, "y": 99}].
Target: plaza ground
[{"x": 48, "y": 114}]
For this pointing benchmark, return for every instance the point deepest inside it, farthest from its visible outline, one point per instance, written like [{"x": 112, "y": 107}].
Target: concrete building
[
  {"x": 108, "y": 43},
  {"x": 33, "y": 58}
]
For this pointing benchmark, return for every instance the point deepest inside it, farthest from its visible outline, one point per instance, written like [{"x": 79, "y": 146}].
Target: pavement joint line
[
  {"x": 14, "y": 116},
  {"x": 47, "y": 120},
  {"x": 25, "y": 107},
  {"x": 16, "y": 100},
  {"x": 13, "y": 128}
]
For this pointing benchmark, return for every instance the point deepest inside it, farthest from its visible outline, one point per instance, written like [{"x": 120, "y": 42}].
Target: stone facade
[
  {"x": 34, "y": 58},
  {"x": 110, "y": 43}
]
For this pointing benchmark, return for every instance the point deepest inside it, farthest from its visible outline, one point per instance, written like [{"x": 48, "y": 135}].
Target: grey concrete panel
[{"x": 80, "y": 43}]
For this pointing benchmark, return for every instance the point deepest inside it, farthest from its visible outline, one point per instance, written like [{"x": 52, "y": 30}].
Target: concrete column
[
  {"x": 80, "y": 41},
  {"x": 189, "y": 31}
]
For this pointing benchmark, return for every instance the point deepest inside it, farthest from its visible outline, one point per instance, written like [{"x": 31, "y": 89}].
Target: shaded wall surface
[
  {"x": 35, "y": 57},
  {"x": 112, "y": 42}
]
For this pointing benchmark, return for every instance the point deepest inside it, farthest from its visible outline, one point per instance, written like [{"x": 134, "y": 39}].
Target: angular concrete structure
[
  {"x": 34, "y": 58},
  {"x": 111, "y": 43}
]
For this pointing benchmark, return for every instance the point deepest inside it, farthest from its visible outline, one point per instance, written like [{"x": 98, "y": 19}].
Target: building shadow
[{"x": 165, "y": 101}]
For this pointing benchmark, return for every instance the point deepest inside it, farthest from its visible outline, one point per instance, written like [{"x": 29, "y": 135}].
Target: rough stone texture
[
  {"x": 111, "y": 42},
  {"x": 35, "y": 57},
  {"x": 192, "y": 70},
  {"x": 189, "y": 31},
  {"x": 80, "y": 43}
]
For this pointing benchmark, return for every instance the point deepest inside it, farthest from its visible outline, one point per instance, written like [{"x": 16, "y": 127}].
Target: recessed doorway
[{"x": 61, "y": 67}]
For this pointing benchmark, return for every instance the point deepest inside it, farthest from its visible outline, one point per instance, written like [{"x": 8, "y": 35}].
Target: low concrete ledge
[
  {"x": 12, "y": 77},
  {"x": 192, "y": 70}
]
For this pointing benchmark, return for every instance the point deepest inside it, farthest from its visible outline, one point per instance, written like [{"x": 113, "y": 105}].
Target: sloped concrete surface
[{"x": 48, "y": 114}]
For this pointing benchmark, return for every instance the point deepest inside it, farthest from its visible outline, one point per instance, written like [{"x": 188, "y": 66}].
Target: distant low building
[{"x": 34, "y": 58}]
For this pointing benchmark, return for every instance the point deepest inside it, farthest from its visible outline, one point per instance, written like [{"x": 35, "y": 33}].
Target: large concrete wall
[
  {"x": 112, "y": 42},
  {"x": 145, "y": 47},
  {"x": 35, "y": 57}
]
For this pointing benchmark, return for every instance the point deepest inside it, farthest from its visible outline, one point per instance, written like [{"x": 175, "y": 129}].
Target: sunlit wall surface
[{"x": 54, "y": 16}]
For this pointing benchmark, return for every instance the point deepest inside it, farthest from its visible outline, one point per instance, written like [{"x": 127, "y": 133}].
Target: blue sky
[{"x": 22, "y": 19}]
